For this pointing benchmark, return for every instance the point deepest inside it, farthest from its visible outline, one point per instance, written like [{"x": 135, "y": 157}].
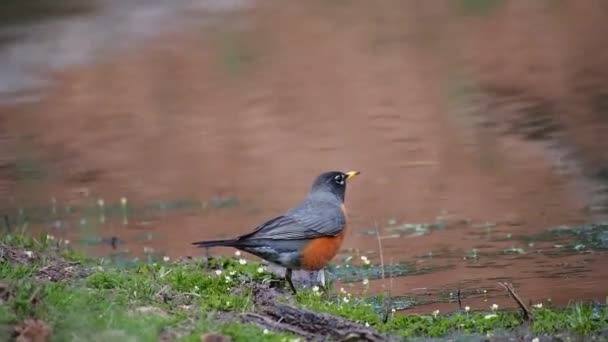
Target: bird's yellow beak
[{"x": 351, "y": 174}]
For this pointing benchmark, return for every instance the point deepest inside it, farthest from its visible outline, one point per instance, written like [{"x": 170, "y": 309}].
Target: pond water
[{"x": 133, "y": 128}]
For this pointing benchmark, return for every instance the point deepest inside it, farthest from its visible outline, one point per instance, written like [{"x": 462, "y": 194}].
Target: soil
[
  {"x": 57, "y": 268},
  {"x": 32, "y": 330}
]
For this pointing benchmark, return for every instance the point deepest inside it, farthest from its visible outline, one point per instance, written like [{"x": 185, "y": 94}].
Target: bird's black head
[{"x": 333, "y": 182}]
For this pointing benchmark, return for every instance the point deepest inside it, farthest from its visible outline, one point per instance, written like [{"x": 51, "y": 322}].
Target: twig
[
  {"x": 380, "y": 250},
  {"x": 274, "y": 325},
  {"x": 114, "y": 242},
  {"x": 459, "y": 301},
  {"x": 312, "y": 325},
  {"x": 161, "y": 294},
  {"x": 419, "y": 163},
  {"x": 34, "y": 296},
  {"x": 387, "y": 298},
  {"x": 527, "y": 315}
]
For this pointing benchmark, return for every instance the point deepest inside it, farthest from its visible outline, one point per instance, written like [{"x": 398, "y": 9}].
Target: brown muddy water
[{"x": 216, "y": 119}]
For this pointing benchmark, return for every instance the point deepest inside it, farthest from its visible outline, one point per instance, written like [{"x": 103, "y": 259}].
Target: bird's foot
[{"x": 288, "y": 280}]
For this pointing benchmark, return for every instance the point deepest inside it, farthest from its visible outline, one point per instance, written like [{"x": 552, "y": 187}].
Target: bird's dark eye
[{"x": 339, "y": 179}]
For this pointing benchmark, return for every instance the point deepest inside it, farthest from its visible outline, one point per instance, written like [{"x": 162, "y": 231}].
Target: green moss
[
  {"x": 77, "y": 312},
  {"x": 439, "y": 325},
  {"x": 364, "y": 312},
  {"x": 582, "y": 318},
  {"x": 238, "y": 332},
  {"x": 478, "y": 7},
  {"x": 8, "y": 271}
]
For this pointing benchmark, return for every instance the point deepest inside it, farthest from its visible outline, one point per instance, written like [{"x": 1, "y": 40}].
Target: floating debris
[
  {"x": 514, "y": 250},
  {"x": 354, "y": 274},
  {"x": 416, "y": 229},
  {"x": 485, "y": 225}
]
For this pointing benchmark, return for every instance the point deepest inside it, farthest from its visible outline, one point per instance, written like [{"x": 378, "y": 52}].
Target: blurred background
[{"x": 132, "y": 128}]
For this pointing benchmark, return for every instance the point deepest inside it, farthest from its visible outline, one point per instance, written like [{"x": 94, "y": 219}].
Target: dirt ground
[{"x": 442, "y": 110}]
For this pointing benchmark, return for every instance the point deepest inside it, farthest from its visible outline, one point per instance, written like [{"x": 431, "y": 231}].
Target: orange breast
[{"x": 320, "y": 251}]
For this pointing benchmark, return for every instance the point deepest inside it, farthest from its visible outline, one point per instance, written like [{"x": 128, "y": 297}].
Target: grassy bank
[{"x": 48, "y": 291}]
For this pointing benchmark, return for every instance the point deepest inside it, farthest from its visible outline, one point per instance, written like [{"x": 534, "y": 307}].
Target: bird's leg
[
  {"x": 325, "y": 290},
  {"x": 321, "y": 281},
  {"x": 288, "y": 279}
]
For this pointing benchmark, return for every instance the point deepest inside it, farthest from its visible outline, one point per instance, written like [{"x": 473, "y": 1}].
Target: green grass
[
  {"x": 144, "y": 300},
  {"x": 110, "y": 299}
]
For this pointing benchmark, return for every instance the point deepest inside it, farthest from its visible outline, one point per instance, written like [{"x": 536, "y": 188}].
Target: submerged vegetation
[{"x": 50, "y": 290}]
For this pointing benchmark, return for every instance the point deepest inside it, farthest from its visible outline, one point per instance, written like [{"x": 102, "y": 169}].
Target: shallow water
[{"x": 216, "y": 122}]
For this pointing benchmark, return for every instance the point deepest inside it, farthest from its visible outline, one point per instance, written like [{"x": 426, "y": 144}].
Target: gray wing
[{"x": 309, "y": 220}]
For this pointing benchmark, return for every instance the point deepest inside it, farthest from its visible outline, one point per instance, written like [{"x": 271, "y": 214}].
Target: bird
[{"x": 305, "y": 237}]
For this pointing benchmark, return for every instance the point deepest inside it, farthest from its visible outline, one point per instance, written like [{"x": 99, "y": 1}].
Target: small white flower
[
  {"x": 218, "y": 272},
  {"x": 260, "y": 269},
  {"x": 494, "y": 307},
  {"x": 538, "y": 306},
  {"x": 535, "y": 339},
  {"x": 490, "y": 316},
  {"x": 365, "y": 281},
  {"x": 242, "y": 261},
  {"x": 393, "y": 310},
  {"x": 345, "y": 299},
  {"x": 123, "y": 201},
  {"x": 237, "y": 253},
  {"x": 228, "y": 279},
  {"x": 196, "y": 288},
  {"x": 233, "y": 272},
  {"x": 166, "y": 259},
  {"x": 66, "y": 241},
  {"x": 50, "y": 237},
  {"x": 467, "y": 308},
  {"x": 315, "y": 288},
  {"x": 342, "y": 290},
  {"x": 29, "y": 254},
  {"x": 266, "y": 331},
  {"x": 366, "y": 324},
  {"x": 435, "y": 313},
  {"x": 365, "y": 260}
]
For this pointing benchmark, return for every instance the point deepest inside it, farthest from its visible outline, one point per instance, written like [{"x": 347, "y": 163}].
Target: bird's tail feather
[{"x": 214, "y": 243}]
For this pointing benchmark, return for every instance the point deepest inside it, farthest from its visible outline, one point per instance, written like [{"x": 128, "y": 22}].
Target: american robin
[{"x": 307, "y": 236}]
